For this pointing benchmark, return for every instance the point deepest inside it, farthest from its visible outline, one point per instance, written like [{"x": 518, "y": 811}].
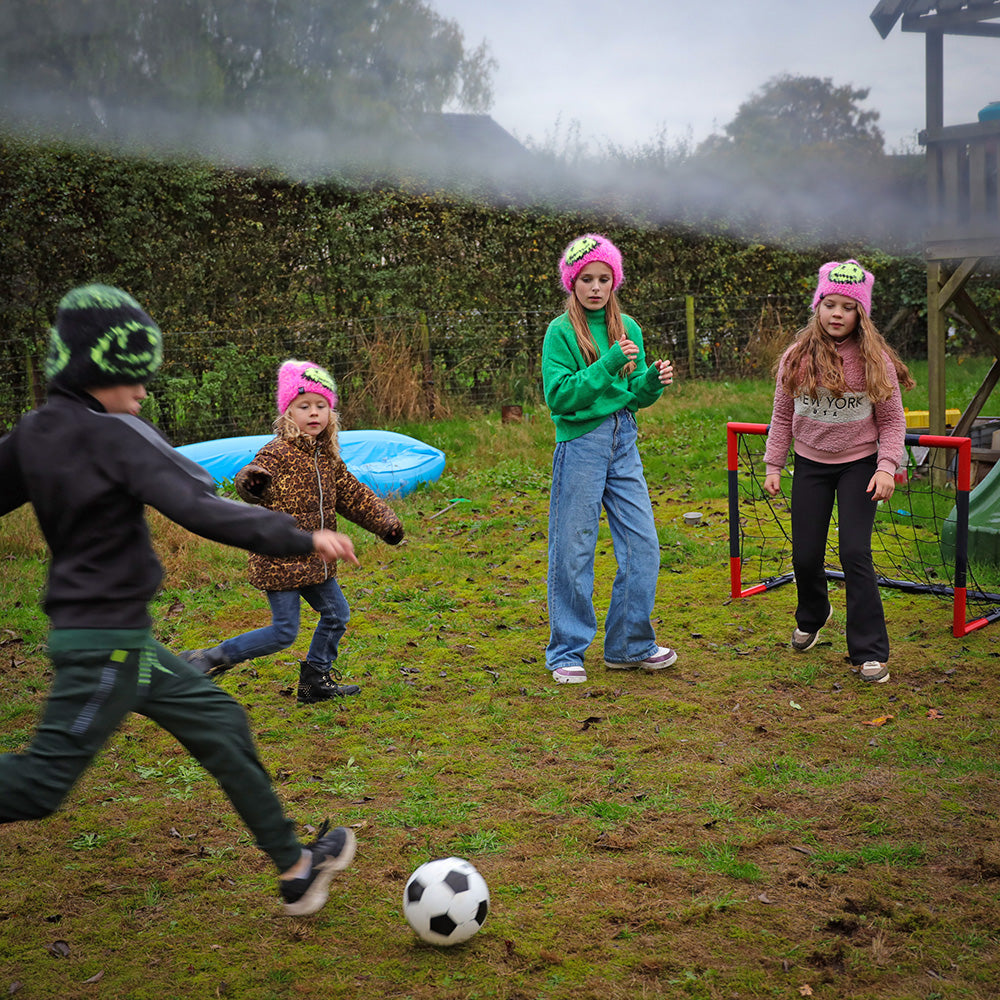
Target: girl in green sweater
[{"x": 595, "y": 377}]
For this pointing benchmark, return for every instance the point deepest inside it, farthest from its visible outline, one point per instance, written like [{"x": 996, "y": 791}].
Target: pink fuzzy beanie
[
  {"x": 848, "y": 278},
  {"x": 297, "y": 377},
  {"x": 586, "y": 250}
]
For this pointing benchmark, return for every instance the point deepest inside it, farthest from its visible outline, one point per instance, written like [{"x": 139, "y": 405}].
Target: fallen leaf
[
  {"x": 935, "y": 713},
  {"x": 95, "y": 978},
  {"x": 795, "y": 704},
  {"x": 591, "y": 720},
  {"x": 58, "y": 949},
  {"x": 805, "y": 990},
  {"x": 880, "y": 720},
  {"x": 764, "y": 898}
]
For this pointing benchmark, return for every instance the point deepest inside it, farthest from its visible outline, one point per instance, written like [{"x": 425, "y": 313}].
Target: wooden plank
[
  {"x": 977, "y": 179},
  {"x": 951, "y": 185},
  {"x": 935, "y": 204},
  {"x": 934, "y": 80},
  {"x": 969, "y": 132},
  {"x": 977, "y": 403},
  {"x": 957, "y": 281},
  {"x": 978, "y": 321},
  {"x": 936, "y": 335},
  {"x": 992, "y": 213},
  {"x": 941, "y": 246},
  {"x": 949, "y": 18}
]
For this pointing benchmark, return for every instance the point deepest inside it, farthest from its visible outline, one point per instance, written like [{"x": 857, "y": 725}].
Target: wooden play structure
[{"x": 963, "y": 234}]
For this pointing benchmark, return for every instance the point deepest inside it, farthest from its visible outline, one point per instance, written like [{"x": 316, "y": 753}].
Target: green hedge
[
  {"x": 226, "y": 253},
  {"x": 208, "y": 247}
]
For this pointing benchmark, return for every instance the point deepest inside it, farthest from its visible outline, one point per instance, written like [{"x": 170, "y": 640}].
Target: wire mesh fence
[
  {"x": 920, "y": 541},
  {"x": 424, "y": 365}
]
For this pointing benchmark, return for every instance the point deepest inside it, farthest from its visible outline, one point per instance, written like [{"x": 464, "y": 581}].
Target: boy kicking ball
[{"x": 88, "y": 465}]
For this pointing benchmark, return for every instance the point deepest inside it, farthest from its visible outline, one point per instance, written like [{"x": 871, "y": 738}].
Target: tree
[
  {"x": 105, "y": 63},
  {"x": 802, "y": 114}
]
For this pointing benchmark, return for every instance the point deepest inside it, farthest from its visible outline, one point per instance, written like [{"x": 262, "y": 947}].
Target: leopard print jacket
[{"x": 300, "y": 480}]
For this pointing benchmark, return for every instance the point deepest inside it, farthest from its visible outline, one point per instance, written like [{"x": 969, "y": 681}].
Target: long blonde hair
[
  {"x": 585, "y": 339},
  {"x": 285, "y": 428},
  {"x": 812, "y": 361}
]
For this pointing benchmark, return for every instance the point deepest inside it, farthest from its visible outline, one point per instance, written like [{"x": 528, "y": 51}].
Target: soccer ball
[{"x": 446, "y": 901}]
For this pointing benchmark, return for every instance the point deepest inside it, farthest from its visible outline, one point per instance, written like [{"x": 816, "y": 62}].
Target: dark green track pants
[{"x": 103, "y": 674}]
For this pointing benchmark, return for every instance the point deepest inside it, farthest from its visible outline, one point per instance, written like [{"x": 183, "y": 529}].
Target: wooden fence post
[
  {"x": 425, "y": 354},
  {"x": 689, "y": 314}
]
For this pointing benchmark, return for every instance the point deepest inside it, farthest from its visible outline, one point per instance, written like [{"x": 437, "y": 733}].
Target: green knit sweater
[{"x": 581, "y": 396}]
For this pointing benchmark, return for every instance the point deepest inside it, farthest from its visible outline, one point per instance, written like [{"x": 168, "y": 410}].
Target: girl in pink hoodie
[{"x": 838, "y": 396}]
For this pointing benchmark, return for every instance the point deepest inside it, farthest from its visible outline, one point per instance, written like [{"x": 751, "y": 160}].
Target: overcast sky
[{"x": 627, "y": 69}]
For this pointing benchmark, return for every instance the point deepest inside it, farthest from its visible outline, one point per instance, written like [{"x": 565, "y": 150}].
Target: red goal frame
[{"x": 962, "y": 446}]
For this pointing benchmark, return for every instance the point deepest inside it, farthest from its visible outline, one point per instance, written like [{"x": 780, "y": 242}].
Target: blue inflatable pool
[{"x": 391, "y": 464}]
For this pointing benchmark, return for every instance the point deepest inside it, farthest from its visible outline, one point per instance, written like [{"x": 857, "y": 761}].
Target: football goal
[{"x": 920, "y": 540}]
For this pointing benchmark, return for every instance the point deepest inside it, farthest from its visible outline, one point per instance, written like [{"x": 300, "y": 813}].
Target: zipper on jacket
[{"x": 319, "y": 486}]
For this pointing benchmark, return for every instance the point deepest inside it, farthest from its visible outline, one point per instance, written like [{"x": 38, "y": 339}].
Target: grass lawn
[{"x": 752, "y": 823}]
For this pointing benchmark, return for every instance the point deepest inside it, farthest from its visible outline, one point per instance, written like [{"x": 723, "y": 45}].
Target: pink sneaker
[{"x": 663, "y": 657}]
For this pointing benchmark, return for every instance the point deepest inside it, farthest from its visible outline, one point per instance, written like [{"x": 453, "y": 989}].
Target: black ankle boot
[
  {"x": 210, "y": 662},
  {"x": 316, "y": 684}
]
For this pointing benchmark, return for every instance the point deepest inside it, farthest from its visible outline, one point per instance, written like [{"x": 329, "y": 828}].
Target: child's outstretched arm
[
  {"x": 333, "y": 545},
  {"x": 12, "y": 489},
  {"x": 364, "y": 507},
  {"x": 252, "y": 483}
]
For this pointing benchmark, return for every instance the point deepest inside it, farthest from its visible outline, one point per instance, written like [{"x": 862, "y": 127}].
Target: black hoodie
[{"x": 89, "y": 474}]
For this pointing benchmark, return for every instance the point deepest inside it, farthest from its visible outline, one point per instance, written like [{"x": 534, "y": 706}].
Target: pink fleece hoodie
[{"x": 831, "y": 429}]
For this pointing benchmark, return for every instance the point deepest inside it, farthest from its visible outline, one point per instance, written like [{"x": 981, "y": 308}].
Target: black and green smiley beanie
[{"x": 102, "y": 337}]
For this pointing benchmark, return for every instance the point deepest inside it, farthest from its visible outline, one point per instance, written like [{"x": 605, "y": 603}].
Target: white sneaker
[
  {"x": 663, "y": 657},
  {"x": 570, "y": 675}
]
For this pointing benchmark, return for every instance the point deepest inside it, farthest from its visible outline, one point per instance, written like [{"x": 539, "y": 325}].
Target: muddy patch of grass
[{"x": 750, "y": 823}]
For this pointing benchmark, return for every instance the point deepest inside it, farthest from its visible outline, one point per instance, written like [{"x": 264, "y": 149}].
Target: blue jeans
[
  {"x": 601, "y": 469},
  {"x": 334, "y": 613}
]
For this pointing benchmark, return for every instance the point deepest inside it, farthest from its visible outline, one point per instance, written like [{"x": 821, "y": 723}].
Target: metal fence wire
[{"x": 219, "y": 382}]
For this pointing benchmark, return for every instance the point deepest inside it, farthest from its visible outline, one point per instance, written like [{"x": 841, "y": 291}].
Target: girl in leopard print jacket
[{"x": 301, "y": 473}]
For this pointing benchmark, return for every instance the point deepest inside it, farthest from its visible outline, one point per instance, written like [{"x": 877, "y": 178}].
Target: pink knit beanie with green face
[
  {"x": 298, "y": 377},
  {"x": 586, "y": 250},
  {"x": 848, "y": 278}
]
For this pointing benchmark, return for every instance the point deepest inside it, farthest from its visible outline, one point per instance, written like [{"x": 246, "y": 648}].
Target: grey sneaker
[
  {"x": 212, "y": 662},
  {"x": 331, "y": 852},
  {"x": 801, "y": 641},
  {"x": 874, "y": 672},
  {"x": 663, "y": 657}
]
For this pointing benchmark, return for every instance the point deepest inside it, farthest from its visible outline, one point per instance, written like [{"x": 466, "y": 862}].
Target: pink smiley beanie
[
  {"x": 586, "y": 250},
  {"x": 848, "y": 278},
  {"x": 298, "y": 377}
]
